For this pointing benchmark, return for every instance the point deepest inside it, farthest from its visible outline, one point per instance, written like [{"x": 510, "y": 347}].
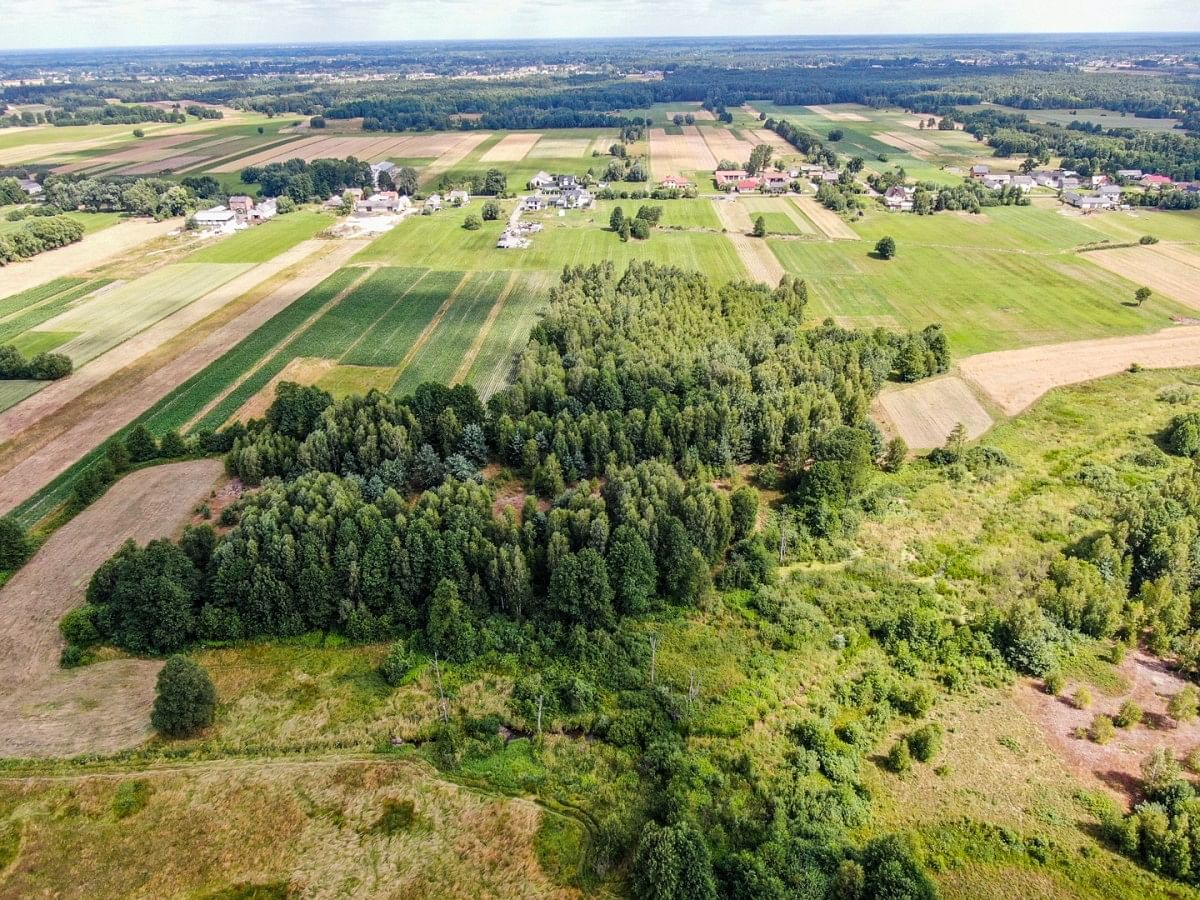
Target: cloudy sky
[{"x": 83, "y": 23}]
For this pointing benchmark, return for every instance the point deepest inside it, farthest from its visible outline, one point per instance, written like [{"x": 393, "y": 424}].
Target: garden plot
[
  {"x": 925, "y": 413},
  {"x": 1173, "y": 271},
  {"x": 119, "y": 314},
  {"x": 511, "y": 148}
]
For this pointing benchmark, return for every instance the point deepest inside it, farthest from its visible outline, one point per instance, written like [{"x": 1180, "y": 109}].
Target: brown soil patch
[
  {"x": 511, "y": 148},
  {"x": 1116, "y": 765},
  {"x": 303, "y": 370},
  {"x": 1171, "y": 270},
  {"x": 838, "y": 116},
  {"x": 925, "y": 413},
  {"x": 724, "y": 144},
  {"x": 46, "y": 711},
  {"x": 1014, "y": 379},
  {"x": 92, "y": 251},
  {"x": 45, "y": 449},
  {"x": 833, "y": 225}
]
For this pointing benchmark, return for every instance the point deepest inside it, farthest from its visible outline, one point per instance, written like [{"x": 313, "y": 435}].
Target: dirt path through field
[
  {"x": 44, "y": 451},
  {"x": 481, "y": 335},
  {"x": 90, "y": 252},
  {"x": 1014, "y": 379},
  {"x": 48, "y": 711}
]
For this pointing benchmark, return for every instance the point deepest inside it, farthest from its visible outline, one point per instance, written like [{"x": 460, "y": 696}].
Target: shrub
[
  {"x": 1128, "y": 715},
  {"x": 78, "y": 626},
  {"x": 1159, "y": 770},
  {"x": 1102, "y": 730},
  {"x": 130, "y": 798},
  {"x": 892, "y": 871},
  {"x": 1053, "y": 683},
  {"x": 899, "y": 758},
  {"x": 1192, "y": 761},
  {"x": 472, "y": 223},
  {"x": 396, "y": 664},
  {"x": 15, "y": 546},
  {"x": 185, "y": 698},
  {"x": 1184, "y": 705},
  {"x": 925, "y": 742},
  {"x": 1116, "y": 654},
  {"x": 885, "y": 247},
  {"x": 1082, "y": 698},
  {"x": 73, "y": 656},
  {"x": 673, "y": 863},
  {"x": 1147, "y": 239},
  {"x": 397, "y": 816}
]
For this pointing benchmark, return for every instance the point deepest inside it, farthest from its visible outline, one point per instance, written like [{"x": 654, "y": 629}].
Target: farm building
[
  {"x": 1155, "y": 181},
  {"x": 433, "y": 202},
  {"x": 241, "y": 205},
  {"x": 1087, "y": 202},
  {"x": 979, "y": 171},
  {"x": 458, "y": 198},
  {"x": 532, "y": 203},
  {"x": 775, "y": 182},
  {"x": 218, "y": 220},
  {"x": 829, "y": 176},
  {"x": 674, "y": 182},
  {"x": 381, "y": 168},
  {"x": 382, "y": 202},
  {"x": 1022, "y": 182},
  {"x": 30, "y": 187},
  {"x": 577, "y": 198},
  {"x": 1133, "y": 174},
  {"x": 541, "y": 180},
  {"x": 998, "y": 180}
]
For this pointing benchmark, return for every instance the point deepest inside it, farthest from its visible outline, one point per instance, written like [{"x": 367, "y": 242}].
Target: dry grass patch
[
  {"x": 511, "y": 148},
  {"x": 302, "y": 370},
  {"x": 925, "y": 413},
  {"x": 1171, "y": 270},
  {"x": 723, "y": 144},
  {"x": 560, "y": 148},
  {"x": 829, "y": 222},
  {"x": 755, "y": 254}
]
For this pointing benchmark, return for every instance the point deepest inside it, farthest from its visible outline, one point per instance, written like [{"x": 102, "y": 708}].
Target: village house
[
  {"x": 829, "y": 176},
  {"x": 1021, "y": 182},
  {"x": 899, "y": 197},
  {"x": 218, "y": 220},
  {"x": 1112, "y": 191},
  {"x": 1087, "y": 202},
  {"x": 1132, "y": 174},
  {"x": 263, "y": 210},
  {"x": 998, "y": 180},
  {"x": 458, "y": 198},
  {"x": 747, "y": 184},
  {"x": 728, "y": 177},
  {"x": 532, "y": 203},
  {"x": 979, "y": 171},
  {"x": 382, "y": 202},
  {"x": 575, "y": 198},
  {"x": 241, "y": 205},
  {"x": 811, "y": 170},
  {"x": 30, "y": 187},
  {"x": 673, "y": 182},
  {"x": 433, "y": 202},
  {"x": 541, "y": 180},
  {"x": 1159, "y": 181},
  {"x": 381, "y": 168},
  {"x": 775, "y": 182}
]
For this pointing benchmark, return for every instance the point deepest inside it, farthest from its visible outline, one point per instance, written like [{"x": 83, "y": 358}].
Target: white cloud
[{"x": 74, "y": 23}]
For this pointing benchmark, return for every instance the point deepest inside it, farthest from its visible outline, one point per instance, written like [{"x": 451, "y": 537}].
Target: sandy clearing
[
  {"x": 1117, "y": 764},
  {"x": 925, "y": 413},
  {"x": 304, "y": 370},
  {"x": 1014, "y": 379},
  {"x": 761, "y": 264},
  {"x": 455, "y": 154},
  {"x": 511, "y": 148},
  {"x": 838, "y": 116},
  {"x": 829, "y": 222},
  {"x": 46, "y": 711},
  {"x": 1171, "y": 271},
  {"x": 61, "y": 441},
  {"x": 88, "y": 253}
]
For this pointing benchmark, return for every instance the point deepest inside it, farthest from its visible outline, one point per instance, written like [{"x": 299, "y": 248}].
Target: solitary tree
[
  {"x": 1141, "y": 295},
  {"x": 185, "y": 698},
  {"x": 885, "y": 247},
  {"x": 616, "y": 219},
  {"x": 472, "y": 223},
  {"x": 491, "y": 211},
  {"x": 14, "y": 543},
  {"x": 760, "y": 227}
]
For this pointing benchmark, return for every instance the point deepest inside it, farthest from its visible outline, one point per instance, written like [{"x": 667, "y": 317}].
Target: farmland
[{"x": 265, "y": 242}]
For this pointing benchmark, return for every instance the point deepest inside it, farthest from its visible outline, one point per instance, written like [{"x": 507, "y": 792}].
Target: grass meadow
[{"x": 266, "y": 241}]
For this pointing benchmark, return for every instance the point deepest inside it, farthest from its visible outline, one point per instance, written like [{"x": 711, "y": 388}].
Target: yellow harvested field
[
  {"x": 833, "y": 225},
  {"x": 560, "y": 148},
  {"x": 771, "y": 139},
  {"x": 512, "y": 148},
  {"x": 755, "y": 253},
  {"x": 917, "y": 146},
  {"x": 671, "y": 154},
  {"x": 454, "y": 154},
  {"x": 602, "y": 143},
  {"x": 1172, "y": 270},
  {"x": 1014, "y": 379},
  {"x": 733, "y": 215},
  {"x": 838, "y": 116},
  {"x": 924, "y": 414},
  {"x": 700, "y": 115},
  {"x": 723, "y": 144},
  {"x": 94, "y": 250}
]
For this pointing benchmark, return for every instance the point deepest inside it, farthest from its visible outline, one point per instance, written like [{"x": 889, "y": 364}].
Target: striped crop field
[
  {"x": 390, "y": 339},
  {"x": 492, "y": 366}
]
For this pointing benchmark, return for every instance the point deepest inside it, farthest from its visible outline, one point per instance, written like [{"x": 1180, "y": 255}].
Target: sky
[{"x": 30, "y": 24}]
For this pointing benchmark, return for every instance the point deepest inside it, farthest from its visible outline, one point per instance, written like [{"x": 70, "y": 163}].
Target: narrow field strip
[
  {"x": 755, "y": 253},
  {"x": 924, "y": 414},
  {"x": 34, "y": 315},
  {"x": 454, "y": 155},
  {"x": 485, "y": 329},
  {"x": 388, "y": 341},
  {"x": 439, "y": 352},
  {"x": 829, "y": 222},
  {"x": 511, "y": 148},
  {"x": 509, "y": 334},
  {"x": 11, "y": 305}
]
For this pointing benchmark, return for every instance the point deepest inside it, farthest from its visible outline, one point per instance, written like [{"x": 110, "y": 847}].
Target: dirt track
[
  {"x": 105, "y": 410},
  {"x": 47, "y": 711},
  {"x": 90, "y": 252},
  {"x": 1014, "y": 379}
]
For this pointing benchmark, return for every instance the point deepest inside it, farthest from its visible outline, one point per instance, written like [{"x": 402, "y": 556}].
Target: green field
[
  {"x": 684, "y": 214},
  {"x": 417, "y": 296},
  {"x": 265, "y": 241},
  {"x": 51, "y": 303},
  {"x": 31, "y": 343},
  {"x": 91, "y": 222},
  {"x": 16, "y": 302},
  {"x": 992, "y": 284},
  {"x": 493, "y": 364}
]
